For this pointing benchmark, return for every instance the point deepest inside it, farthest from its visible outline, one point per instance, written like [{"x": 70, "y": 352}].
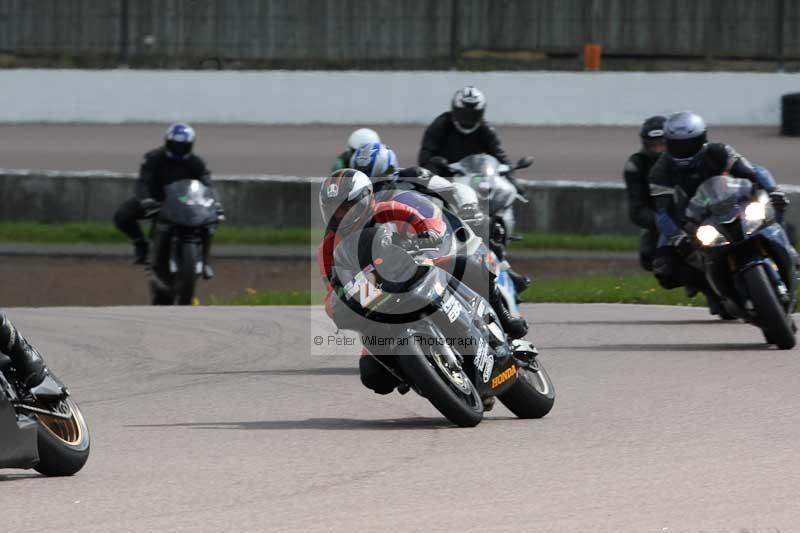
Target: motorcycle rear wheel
[
  {"x": 777, "y": 326},
  {"x": 63, "y": 443},
  {"x": 533, "y": 395}
]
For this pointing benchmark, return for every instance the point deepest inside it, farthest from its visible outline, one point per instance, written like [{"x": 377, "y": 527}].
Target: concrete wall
[
  {"x": 556, "y": 206},
  {"x": 303, "y": 97},
  {"x": 396, "y": 29}
]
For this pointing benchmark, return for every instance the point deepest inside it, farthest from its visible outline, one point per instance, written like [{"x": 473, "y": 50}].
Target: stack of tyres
[{"x": 790, "y": 114}]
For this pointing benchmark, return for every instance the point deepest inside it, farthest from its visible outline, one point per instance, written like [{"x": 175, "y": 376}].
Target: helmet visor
[
  {"x": 179, "y": 149},
  {"x": 685, "y": 148},
  {"x": 467, "y": 118},
  {"x": 346, "y": 214}
]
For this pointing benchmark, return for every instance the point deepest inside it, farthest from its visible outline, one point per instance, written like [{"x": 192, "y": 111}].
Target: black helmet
[
  {"x": 179, "y": 140},
  {"x": 467, "y": 109},
  {"x": 653, "y": 128},
  {"x": 345, "y": 199},
  {"x": 685, "y": 133}
]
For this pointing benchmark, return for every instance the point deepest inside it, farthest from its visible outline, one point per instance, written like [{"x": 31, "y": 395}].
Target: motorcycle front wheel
[
  {"x": 772, "y": 318},
  {"x": 186, "y": 277},
  {"x": 450, "y": 391}
]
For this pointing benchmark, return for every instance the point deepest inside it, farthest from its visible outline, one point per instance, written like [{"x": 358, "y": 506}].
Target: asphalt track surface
[
  {"x": 210, "y": 419},
  {"x": 573, "y": 152}
]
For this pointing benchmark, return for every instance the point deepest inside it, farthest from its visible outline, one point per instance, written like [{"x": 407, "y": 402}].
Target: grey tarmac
[
  {"x": 220, "y": 419},
  {"x": 586, "y": 153}
]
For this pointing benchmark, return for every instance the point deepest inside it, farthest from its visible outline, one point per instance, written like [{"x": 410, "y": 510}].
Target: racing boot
[
  {"x": 29, "y": 366},
  {"x": 140, "y": 250},
  {"x": 208, "y": 271},
  {"x": 515, "y": 328},
  {"x": 520, "y": 281}
]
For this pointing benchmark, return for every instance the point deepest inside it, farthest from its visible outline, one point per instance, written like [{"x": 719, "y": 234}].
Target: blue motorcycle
[{"x": 746, "y": 255}]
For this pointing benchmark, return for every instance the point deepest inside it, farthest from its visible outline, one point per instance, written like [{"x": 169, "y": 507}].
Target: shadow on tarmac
[
  {"x": 317, "y": 424},
  {"x": 730, "y": 347}
]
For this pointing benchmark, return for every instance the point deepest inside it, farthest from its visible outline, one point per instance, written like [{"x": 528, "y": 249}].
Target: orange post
[{"x": 592, "y": 56}]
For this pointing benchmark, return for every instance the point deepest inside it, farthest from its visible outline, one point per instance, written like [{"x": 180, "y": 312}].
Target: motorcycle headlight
[
  {"x": 755, "y": 212},
  {"x": 709, "y": 235}
]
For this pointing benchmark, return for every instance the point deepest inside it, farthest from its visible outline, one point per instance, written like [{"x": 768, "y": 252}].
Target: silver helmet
[{"x": 685, "y": 133}]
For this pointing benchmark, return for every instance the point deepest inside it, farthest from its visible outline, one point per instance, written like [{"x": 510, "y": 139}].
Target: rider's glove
[
  {"x": 779, "y": 200},
  {"x": 220, "y": 212},
  {"x": 149, "y": 206},
  {"x": 429, "y": 239},
  {"x": 683, "y": 245},
  {"x": 438, "y": 165}
]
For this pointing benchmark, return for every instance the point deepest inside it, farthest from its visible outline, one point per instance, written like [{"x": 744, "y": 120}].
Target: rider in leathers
[
  {"x": 689, "y": 161},
  {"x": 29, "y": 366},
  {"x": 174, "y": 161},
  {"x": 640, "y": 204},
  {"x": 460, "y": 132}
]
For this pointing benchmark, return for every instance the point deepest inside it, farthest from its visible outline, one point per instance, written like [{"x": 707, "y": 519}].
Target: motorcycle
[
  {"x": 44, "y": 429},
  {"x": 746, "y": 255},
  {"x": 434, "y": 333},
  {"x": 496, "y": 196},
  {"x": 183, "y": 224}
]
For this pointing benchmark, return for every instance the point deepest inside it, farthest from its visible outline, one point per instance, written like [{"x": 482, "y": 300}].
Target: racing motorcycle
[
  {"x": 434, "y": 333},
  {"x": 183, "y": 223},
  {"x": 746, "y": 255},
  {"x": 495, "y": 194},
  {"x": 43, "y": 429}
]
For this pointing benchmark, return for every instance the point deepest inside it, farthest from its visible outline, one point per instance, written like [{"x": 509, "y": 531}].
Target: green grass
[
  {"x": 101, "y": 233},
  {"x": 273, "y": 297},
  {"x": 630, "y": 289},
  {"x": 566, "y": 241},
  {"x": 633, "y": 289}
]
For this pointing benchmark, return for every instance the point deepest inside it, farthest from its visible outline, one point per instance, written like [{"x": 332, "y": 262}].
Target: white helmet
[{"x": 362, "y": 136}]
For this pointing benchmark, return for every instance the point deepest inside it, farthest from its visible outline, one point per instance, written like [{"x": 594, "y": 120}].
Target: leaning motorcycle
[
  {"x": 747, "y": 257},
  {"x": 184, "y": 223},
  {"x": 43, "y": 429},
  {"x": 496, "y": 196},
  {"x": 435, "y": 334}
]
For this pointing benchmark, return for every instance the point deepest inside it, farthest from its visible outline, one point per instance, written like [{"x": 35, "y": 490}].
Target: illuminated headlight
[
  {"x": 707, "y": 235},
  {"x": 755, "y": 212}
]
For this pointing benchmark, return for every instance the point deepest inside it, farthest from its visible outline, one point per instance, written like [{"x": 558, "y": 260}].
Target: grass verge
[
  {"x": 100, "y": 233},
  {"x": 633, "y": 289}
]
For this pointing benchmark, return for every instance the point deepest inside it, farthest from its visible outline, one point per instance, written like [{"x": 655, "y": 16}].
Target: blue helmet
[
  {"x": 374, "y": 159},
  {"x": 685, "y": 133},
  {"x": 179, "y": 140}
]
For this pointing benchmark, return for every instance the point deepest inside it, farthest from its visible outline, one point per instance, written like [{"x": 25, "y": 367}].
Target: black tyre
[
  {"x": 453, "y": 395},
  {"x": 772, "y": 317},
  {"x": 63, "y": 443},
  {"x": 533, "y": 395},
  {"x": 186, "y": 277}
]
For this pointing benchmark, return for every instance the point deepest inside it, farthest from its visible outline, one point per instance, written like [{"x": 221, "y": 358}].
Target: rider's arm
[
  {"x": 432, "y": 141},
  {"x": 492, "y": 142},
  {"x": 325, "y": 262},
  {"x": 639, "y": 203},
  {"x": 662, "y": 194},
  {"x": 201, "y": 171},
  {"x": 391, "y": 211},
  {"x": 148, "y": 179}
]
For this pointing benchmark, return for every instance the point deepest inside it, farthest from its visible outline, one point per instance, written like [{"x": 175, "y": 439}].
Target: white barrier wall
[{"x": 301, "y": 97}]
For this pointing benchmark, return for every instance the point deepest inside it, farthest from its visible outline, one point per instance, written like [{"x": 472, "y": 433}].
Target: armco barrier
[{"x": 554, "y": 206}]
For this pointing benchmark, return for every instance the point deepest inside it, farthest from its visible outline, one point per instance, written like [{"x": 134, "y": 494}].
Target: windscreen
[{"x": 719, "y": 197}]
